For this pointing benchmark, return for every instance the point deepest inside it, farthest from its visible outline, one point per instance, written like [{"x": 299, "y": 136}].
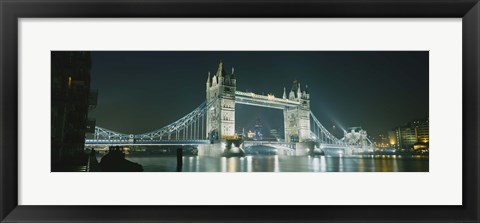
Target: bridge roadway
[
  {"x": 284, "y": 148},
  {"x": 269, "y": 101},
  {"x": 139, "y": 142},
  {"x": 290, "y": 145},
  {"x": 120, "y": 142}
]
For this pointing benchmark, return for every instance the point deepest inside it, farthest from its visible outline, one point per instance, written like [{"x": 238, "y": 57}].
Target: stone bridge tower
[
  {"x": 221, "y": 118},
  {"x": 297, "y": 119}
]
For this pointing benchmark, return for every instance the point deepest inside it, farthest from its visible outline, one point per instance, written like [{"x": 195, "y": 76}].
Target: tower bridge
[{"x": 212, "y": 123}]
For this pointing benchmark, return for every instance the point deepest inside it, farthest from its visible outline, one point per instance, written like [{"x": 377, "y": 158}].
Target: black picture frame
[{"x": 11, "y": 11}]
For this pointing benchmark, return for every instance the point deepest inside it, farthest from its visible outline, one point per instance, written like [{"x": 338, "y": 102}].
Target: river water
[{"x": 275, "y": 163}]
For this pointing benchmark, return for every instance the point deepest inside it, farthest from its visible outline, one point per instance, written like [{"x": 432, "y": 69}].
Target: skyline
[{"x": 144, "y": 91}]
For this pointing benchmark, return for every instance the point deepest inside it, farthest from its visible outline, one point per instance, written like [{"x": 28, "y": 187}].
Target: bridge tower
[
  {"x": 221, "y": 118},
  {"x": 297, "y": 119}
]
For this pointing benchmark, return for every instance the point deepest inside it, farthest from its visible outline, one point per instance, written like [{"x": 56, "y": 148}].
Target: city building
[
  {"x": 423, "y": 139},
  {"x": 258, "y": 130},
  {"x": 413, "y": 135},
  {"x": 422, "y": 130},
  {"x": 406, "y": 137},
  {"x": 71, "y": 100},
  {"x": 392, "y": 138},
  {"x": 381, "y": 141},
  {"x": 250, "y": 134}
]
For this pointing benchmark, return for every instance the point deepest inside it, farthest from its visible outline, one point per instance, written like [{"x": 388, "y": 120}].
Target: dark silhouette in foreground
[{"x": 114, "y": 161}]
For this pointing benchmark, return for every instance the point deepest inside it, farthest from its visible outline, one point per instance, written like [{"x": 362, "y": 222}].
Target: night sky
[{"x": 144, "y": 91}]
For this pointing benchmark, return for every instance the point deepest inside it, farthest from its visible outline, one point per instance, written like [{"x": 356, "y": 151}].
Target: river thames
[{"x": 275, "y": 163}]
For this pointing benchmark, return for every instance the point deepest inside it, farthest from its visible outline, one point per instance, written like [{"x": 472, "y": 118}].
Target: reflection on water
[{"x": 274, "y": 163}]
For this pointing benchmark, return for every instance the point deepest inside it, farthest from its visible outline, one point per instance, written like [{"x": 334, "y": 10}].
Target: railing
[{"x": 144, "y": 142}]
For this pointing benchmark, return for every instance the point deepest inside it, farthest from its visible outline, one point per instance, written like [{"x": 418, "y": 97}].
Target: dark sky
[{"x": 144, "y": 91}]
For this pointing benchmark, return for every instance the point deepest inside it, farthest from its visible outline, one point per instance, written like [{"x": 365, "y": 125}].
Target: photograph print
[{"x": 240, "y": 111}]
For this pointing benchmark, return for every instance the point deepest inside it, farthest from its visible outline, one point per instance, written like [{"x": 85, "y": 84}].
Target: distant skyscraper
[{"x": 258, "y": 130}]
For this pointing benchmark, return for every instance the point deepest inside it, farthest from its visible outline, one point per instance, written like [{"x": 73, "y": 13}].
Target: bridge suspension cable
[
  {"x": 103, "y": 133},
  {"x": 189, "y": 127},
  {"x": 321, "y": 134}
]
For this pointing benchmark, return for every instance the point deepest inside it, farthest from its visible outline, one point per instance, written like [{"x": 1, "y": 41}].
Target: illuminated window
[{"x": 69, "y": 81}]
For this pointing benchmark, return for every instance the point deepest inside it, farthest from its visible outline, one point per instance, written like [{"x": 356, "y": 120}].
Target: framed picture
[{"x": 239, "y": 111}]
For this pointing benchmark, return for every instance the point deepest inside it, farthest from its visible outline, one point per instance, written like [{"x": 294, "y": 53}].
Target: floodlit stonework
[{"x": 221, "y": 118}]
